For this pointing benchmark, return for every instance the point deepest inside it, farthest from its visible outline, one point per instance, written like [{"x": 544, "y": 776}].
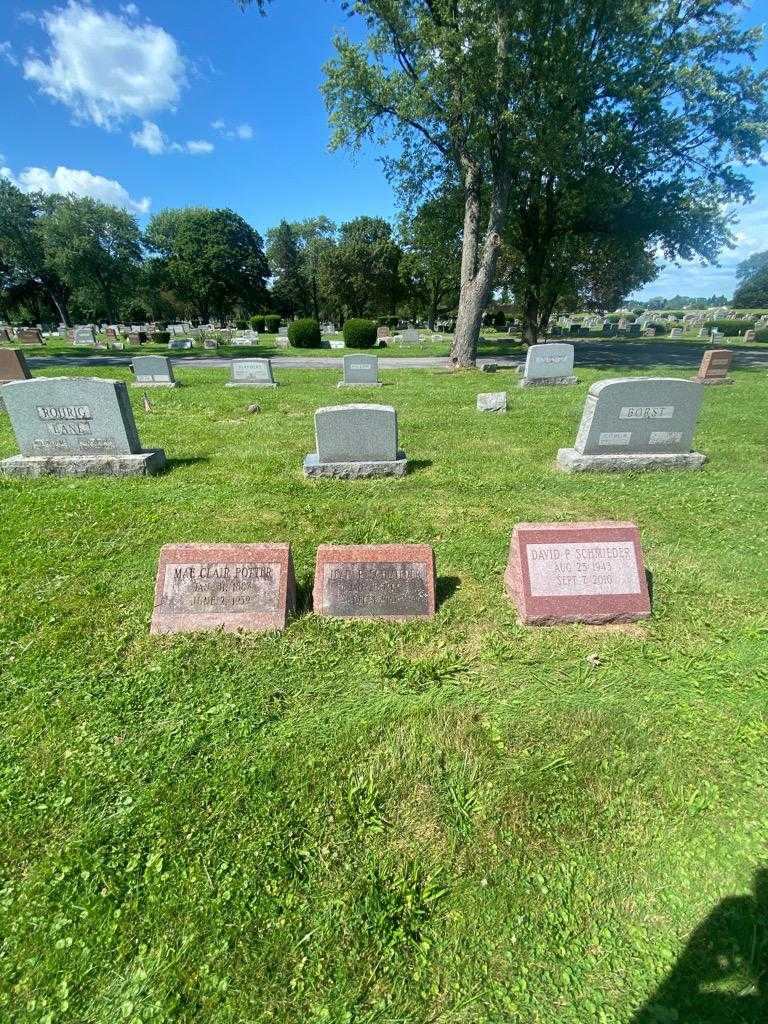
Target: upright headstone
[
  {"x": 383, "y": 332},
  {"x": 29, "y": 336},
  {"x": 245, "y": 338},
  {"x": 13, "y": 366},
  {"x": 636, "y": 423},
  {"x": 361, "y": 371},
  {"x": 231, "y": 587},
  {"x": 84, "y": 335},
  {"x": 355, "y": 441},
  {"x": 409, "y": 337},
  {"x": 282, "y": 332},
  {"x": 549, "y": 364},
  {"x": 153, "y": 372},
  {"x": 210, "y": 343},
  {"x": 137, "y": 338},
  {"x": 676, "y": 332},
  {"x": 251, "y": 373},
  {"x": 73, "y": 426},
  {"x": 375, "y": 581},
  {"x": 577, "y": 572},
  {"x": 715, "y": 364}
]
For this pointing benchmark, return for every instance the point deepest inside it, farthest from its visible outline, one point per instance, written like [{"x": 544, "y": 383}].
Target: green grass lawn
[{"x": 457, "y": 820}]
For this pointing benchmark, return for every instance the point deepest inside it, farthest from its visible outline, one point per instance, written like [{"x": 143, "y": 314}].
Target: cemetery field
[{"x": 455, "y": 820}]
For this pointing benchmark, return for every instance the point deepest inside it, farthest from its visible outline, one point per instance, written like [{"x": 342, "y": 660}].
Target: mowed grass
[{"x": 459, "y": 820}]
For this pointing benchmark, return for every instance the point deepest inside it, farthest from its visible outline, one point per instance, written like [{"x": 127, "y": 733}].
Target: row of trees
[{"x": 752, "y": 273}]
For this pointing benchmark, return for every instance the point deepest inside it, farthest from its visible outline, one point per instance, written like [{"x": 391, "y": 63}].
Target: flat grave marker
[
  {"x": 251, "y": 373},
  {"x": 180, "y": 344},
  {"x": 73, "y": 426},
  {"x": 231, "y": 587},
  {"x": 356, "y": 441},
  {"x": 577, "y": 572},
  {"x": 375, "y": 581},
  {"x": 84, "y": 335},
  {"x": 492, "y": 401},
  {"x": 636, "y": 423}
]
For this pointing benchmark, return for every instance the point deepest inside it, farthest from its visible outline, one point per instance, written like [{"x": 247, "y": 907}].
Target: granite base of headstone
[
  {"x": 577, "y": 572},
  {"x": 251, "y": 373},
  {"x": 153, "y": 372},
  {"x": 354, "y": 442},
  {"x": 229, "y": 587},
  {"x": 375, "y": 581},
  {"x": 494, "y": 401},
  {"x": 75, "y": 426},
  {"x": 636, "y": 423},
  {"x": 715, "y": 364}
]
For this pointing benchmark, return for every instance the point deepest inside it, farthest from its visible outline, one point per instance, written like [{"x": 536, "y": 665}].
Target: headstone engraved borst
[
  {"x": 548, "y": 365},
  {"x": 360, "y": 371},
  {"x": 73, "y": 427},
  {"x": 715, "y": 364},
  {"x": 577, "y": 572},
  {"x": 231, "y": 587},
  {"x": 636, "y": 423},
  {"x": 355, "y": 441},
  {"x": 153, "y": 372},
  {"x": 251, "y": 373},
  {"x": 375, "y": 581},
  {"x": 13, "y": 366}
]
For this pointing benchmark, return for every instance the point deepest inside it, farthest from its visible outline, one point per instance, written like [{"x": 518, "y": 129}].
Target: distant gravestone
[
  {"x": 715, "y": 364},
  {"x": 84, "y": 335},
  {"x": 495, "y": 401},
  {"x": 749, "y": 335},
  {"x": 251, "y": 373},
  {"x": 210, "y": 343},
  {"x": 577, "y": 572},
  {"x": 636, "y": 423},
  {"x": 29, "y": 336},
  {"x": 137, "y": 338},
  {"x": 73, "y": 427},
  {"x": 231, "y": 587},
  {"x": 13, "y": 366},
  {"x": 409, "y": 337},
  {"x": 282, "y": 332},
  {"x": 383, "y": 332},
  {"x": 549, "y": 364},
  {"x": 153, "y": 372},
  {"x": 335, "y": 343},
  {"x": 361, "y": 371},
  {"x": 375, "y": 581},
  {"x": 180, "y": 344},
  {"x": 112, "y": 332},
  {"x": 355, "y": 441},
  {"x": 634, "y": 330},
  {"x": 676, "y": 332},
  {"x": 244, "y": 340}
]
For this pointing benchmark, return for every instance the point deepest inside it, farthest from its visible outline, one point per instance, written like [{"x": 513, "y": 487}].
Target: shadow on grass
[
  {"x": 174, "y": 464},
  {"x": 414, "y": 465},
  {"x": 730, "y": 947},
  {"x": 446, "y": 588}
]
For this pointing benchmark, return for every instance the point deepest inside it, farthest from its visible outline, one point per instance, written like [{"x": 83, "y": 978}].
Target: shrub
[
  {"x": 161, "y": 337},
  {"x": 730, "y": 328},
  {"x": 257, "y": 324},
  {"x": 359, "y": 333},
  {"x": 304, "y": 333},
  {"x": 761, "y": 334},
  {"x": 271, "y": 323},
  {"x": 241, "y": 325},
  {"x": 659, "y": 328}
]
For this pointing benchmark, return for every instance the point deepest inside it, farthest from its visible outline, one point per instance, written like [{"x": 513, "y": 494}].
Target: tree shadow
[{"x": 729, "y": 948}]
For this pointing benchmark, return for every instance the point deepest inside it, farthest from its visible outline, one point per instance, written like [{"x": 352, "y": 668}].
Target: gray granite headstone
[
  {"x": 636, "y": 423},
  {"x": 255, "y": 373},
  {"x": 494, "y": 401},
  {"x": 180, "y": 343},
  {"x": 84, "y": 335},
  {"x": 153, "y": 371},
  {"x": 361, "y": 370},
  {"x": 550, "y": 363},
  {"x": 356, "y": 441},
  {"x": 409, "y": 337}
]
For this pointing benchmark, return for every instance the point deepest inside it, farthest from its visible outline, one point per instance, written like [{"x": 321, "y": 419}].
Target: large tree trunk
[{"x": 478, "y": 268}]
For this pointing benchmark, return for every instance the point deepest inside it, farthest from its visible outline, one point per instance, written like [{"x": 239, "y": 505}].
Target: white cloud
[
  {"x": 130, "y": 10},
  {"x": 6, "y": 53},
  {"x": 105, "y": 69},
  {"x": 66, "y": 181},
  {"x": 244, "y": 132},
  {"x": 151, "y": 138},
  {"x": 27, "y": 17}
]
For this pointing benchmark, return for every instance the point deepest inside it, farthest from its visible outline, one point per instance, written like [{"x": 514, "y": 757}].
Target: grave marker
[
  {"x": 231, "y": 587},
  {"x": 715, "y": 364},
  {"x": 360, "y": 371},
  {"x": 636, "y": 423},
  {"x": 29, "y": 336},
  {"x": 84, "y": 335},
  {"x": 355, "y": 441},
  {"x": 251, "y": 373},
  {"x": 577, "y": 572},
  {"x": 13, "y": 366},
  {"x": 375, "y": 581},
  {"x": 494, "y": 401},
  {"x": 548, "y": 365},
  {"x": 75, "y": 426},
  {"x": 180, "y": 344},
  {"x": 153, "y": 372}
]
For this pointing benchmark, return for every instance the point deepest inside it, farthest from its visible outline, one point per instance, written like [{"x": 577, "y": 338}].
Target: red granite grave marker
[
  {"x": 232, "y": 587},
  {"x": 13, "y": 365},
  {"x": 577, "y": 572},
  {"x": 715, "y": 364},
  {"x": 375, "y": 581}
]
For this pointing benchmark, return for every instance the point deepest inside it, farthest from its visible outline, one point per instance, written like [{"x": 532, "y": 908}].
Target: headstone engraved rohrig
[
  {"x": 231, "y": 587},
  {"x": 375, "y": 581},
  {"x": 636, "y": 423},
  {"x": 577, "y": 572},
  {"x": 73, "y": 427},
  {"x": 355, "y": 441}
]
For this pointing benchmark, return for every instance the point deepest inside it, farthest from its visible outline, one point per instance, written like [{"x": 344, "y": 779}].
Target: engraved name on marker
[
  {"x": 234, "y": 587},
  {"x": 581, "y": 570},
  {"x": 647, "y": 412},
  {"x": 665, "y": 437},
  {"x": 376, "y": 588},
  {"x": 614, "y": 438}
]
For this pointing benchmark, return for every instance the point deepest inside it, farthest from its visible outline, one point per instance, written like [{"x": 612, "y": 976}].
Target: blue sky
[{"x": 164, "y": 103}]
